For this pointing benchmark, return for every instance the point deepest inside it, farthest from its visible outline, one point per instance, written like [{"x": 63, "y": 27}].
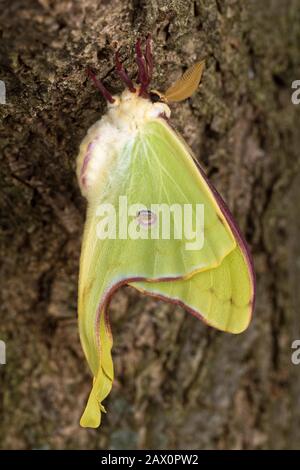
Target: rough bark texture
[{"x": 179, "y": 384}]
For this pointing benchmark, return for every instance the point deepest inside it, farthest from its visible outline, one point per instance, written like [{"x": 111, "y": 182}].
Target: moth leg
[
  {"x": 143, "y": 76},
  {"x": 123, "y": 74},
  {"x": 104, "y": 92},
  {"x": 149, "y": 57}
]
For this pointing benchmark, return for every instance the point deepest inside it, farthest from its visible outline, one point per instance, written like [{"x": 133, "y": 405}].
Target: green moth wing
[
  {"x": 222, "y": 296},
  {"x": 215, "y": 283}
]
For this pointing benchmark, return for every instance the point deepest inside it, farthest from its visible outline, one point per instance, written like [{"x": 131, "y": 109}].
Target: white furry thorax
[{"x": 106, "y": 138}]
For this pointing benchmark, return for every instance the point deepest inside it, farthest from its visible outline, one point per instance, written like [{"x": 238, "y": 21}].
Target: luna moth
[{"x": 133, "y": 158}]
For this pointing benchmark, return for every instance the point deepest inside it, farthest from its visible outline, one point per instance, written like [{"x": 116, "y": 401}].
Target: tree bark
[{"x": 179, "y": 383}]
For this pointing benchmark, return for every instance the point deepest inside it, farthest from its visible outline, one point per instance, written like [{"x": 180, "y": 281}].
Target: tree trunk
[{"x": 179, "y": 383}]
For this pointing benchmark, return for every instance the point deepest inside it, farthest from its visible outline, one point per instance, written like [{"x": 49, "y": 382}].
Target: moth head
[
  {"x": 182, "y": 89},
  {"x": 156, "y": 97}
]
